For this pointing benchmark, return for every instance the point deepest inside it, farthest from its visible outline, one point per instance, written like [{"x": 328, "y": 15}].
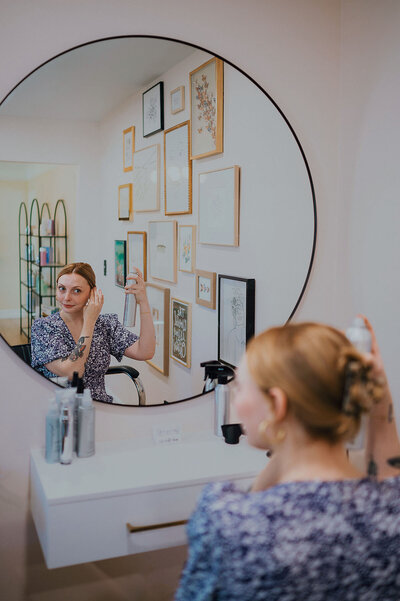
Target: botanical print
[
  {"x": 204, "y": 289},
  {"x": 233, "y": 321},
  {"x": 186, "y": 247},
  {"x": 206, "y": 97},
  {"x": 181, "y": 332},
  {"x": 146, "y": 179}
]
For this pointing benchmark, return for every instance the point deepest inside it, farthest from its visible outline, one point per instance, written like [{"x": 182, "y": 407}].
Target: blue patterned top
[
  {"x": 299, "y": 541},
  {"x": 51, "y": 340}
]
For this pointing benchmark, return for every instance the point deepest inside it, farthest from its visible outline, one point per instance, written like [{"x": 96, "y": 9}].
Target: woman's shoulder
[{"x": 46, "y": 323}]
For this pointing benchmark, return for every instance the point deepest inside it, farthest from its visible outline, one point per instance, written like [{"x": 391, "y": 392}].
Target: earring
[{"x": 262, "y": 429}]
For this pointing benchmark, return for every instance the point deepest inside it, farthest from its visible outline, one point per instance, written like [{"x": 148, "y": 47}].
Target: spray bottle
[{"x": 129, "y": 319}]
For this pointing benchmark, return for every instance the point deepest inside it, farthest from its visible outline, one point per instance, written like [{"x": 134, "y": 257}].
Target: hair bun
[{"x": 361, "y": 388}]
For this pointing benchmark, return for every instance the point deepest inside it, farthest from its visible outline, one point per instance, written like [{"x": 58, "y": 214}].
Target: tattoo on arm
[
  {"x": 77, "y": 352},
  {"x": 394, "y": 462},
  {"x": 372, "y": 469}
]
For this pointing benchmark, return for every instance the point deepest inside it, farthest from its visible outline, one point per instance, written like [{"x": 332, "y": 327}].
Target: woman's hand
[
  {"x": 93, "y": 307},
  {"x": 136, "y": 286}
]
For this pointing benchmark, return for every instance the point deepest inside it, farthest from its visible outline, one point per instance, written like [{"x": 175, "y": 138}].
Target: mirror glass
[{"x": 62, "y": 137}]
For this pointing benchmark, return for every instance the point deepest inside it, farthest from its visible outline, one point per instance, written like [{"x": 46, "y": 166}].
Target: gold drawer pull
[{"x": 154, "y": 526}]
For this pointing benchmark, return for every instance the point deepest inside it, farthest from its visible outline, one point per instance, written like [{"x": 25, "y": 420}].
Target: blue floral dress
[
  {"x": 51, "y": 340},
  {"x": 300, "y": 541}
]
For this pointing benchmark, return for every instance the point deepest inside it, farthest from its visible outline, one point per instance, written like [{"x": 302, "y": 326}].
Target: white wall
[
  {"x": 295, "y": 50},
  {"x": 276, "y": 216},
  {"x": 12, "y": 193}
]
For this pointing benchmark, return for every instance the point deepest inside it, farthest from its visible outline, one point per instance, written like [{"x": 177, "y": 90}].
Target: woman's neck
[
  {"x": 310, "y": 459},
  {"x": 74, "y": 319}
]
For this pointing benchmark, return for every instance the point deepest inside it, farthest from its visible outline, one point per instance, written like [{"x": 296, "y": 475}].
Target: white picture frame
[
  {"x": 146, "y": 179},
  {"x": 187, "y": 248},
  {"x": 219, "y": 206},
  {"x": 163, "y": 250},
  {"x": 177, "y": 170},
  {"x": 125, "y": 212}
]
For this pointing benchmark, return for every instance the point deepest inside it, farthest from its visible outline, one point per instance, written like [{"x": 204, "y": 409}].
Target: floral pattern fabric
[
  {"x": 299, "y": 541},
  {"x": 51, "y": 340}
]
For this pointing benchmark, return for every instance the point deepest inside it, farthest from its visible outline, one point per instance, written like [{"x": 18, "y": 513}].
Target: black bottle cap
[
  {"x": 75, "y": 377},
  {"x": 80, "y": 386}
]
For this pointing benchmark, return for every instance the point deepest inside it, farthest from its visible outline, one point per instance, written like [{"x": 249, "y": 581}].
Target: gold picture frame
[
  {"x": 159, "y": 301},
  {"x": 177, "y": 170},
  {"x": 128, "y": 147},
  {"x": 206, "y": 286},
  {"x": 181, "y": 331},
  {"x": 136, "y": 255},
  {"x": 206, "y": 85},
  {"x": 177, "y": 99},
  {"x": 125, "y": 212}
]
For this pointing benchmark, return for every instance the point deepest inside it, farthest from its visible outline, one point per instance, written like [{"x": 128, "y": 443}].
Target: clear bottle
[
  {"x": 52, "y": 452},
  {"x": 86, "y": 444},
  {"x": 66, "y": 432},
  {"x": 129, "y": 319}
]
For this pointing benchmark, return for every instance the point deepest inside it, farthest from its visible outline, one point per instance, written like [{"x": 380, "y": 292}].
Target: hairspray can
[{"x": 129, "y": 319}]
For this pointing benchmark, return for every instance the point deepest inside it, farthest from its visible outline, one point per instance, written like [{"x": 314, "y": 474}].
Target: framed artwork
[
  {"x": 207, "y": 109},
  {"x": 120, "y": 262},
  {"x": 219, "y": 206},
  {"x": 125, "y": 202},
  {"x": 153, "y": 109},
  {"x": 205, "y": 288},
  {"x": 177, "y": 170},
  {"x": 137, "y": 252},
  {"x": 177, "y": 99},
  {"x": 162, "y": 250},
  {"x": 146, "y": 179},
  {"x": 236, "y": 300},
  {"x": 181, "y": 331},
  {"x": 128, "y": 147},
  {"x": 187, "y": 248},
  {"x": 159, "y": 306}
]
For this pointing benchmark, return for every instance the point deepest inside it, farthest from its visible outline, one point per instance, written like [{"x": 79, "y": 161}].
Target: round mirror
[{"x": 161, "y": 151}]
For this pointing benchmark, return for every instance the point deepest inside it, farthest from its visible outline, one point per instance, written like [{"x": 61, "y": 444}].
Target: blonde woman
[
  {"x": 313, "y": 528},
  {"x": 80, "y": 338}
]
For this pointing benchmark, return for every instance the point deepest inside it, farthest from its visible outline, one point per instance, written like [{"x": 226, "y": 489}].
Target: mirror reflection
[{"x": 105, "y": 129}]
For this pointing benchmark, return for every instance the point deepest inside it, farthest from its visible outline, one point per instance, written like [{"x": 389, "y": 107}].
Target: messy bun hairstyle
[
  {"x": 328, "y": 383},
  {"x": 83, "y": 269}
]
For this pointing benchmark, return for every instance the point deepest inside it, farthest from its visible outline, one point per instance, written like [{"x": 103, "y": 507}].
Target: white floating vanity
[{"x": 128, "y": 497}]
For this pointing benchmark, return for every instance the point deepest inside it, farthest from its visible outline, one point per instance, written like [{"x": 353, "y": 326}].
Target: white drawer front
[{"x": 80, "y": 532}]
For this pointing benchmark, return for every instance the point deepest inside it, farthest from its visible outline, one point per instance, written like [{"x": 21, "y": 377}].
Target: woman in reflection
[
  {"x": 79, "y": 339},
  {"x": 313, "y": 527}
]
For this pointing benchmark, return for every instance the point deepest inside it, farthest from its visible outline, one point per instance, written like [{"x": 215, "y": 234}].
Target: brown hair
[
  {"x": 326, "y": 380},
  {"x": 83, "y": 269}
]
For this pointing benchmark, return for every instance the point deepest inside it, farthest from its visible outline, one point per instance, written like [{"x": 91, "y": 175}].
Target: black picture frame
[
  {"x": 236, "y": 317},
  {"x": 120, "y": 262},
  {"x": 153, "y": 109}
]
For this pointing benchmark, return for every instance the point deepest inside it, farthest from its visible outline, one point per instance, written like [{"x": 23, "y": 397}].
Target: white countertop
[{"x": 131, "y": 466}]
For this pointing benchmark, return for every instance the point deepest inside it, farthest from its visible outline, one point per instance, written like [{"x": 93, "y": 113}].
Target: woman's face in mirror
[{"x": 73, "y": 293}]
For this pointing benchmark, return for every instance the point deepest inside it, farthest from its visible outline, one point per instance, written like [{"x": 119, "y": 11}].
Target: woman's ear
[{"x": 279, "y": 403}]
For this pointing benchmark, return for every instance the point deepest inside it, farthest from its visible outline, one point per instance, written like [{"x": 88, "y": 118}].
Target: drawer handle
[{"x": 132, "y": 528}]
